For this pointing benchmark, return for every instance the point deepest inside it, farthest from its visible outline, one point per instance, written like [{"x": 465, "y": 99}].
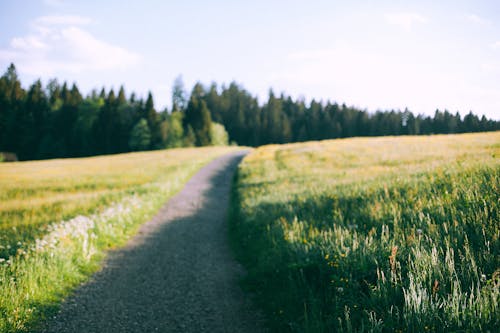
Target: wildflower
[
  {"x": 483, "y": 277},
  {"x": 419, "y": 232},
  {"x": 2, "y": 260},
  {"x": 340, "y": 290},
  {"x": 333, "y": 264},
  {"x": 435, "y": 288}
]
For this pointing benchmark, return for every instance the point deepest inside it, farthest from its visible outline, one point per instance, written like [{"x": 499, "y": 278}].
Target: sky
[{"x": 375, "y": 55}]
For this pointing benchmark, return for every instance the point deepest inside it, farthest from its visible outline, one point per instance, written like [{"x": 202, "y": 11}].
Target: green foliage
[
  {"x": 175, "y": 131},
  {"x": 140, "y": 136},
  {"x": 282, "y": 120},
  {"x": 197, "y": 116},
  {"x": 218, "y": 135},
  {"x": 59, "y": 122},
  {"x": 154, "y": 123},
  {"x": 11, "y": 110},
  {"x": 373, "y": 235},
  {"x": 190, "y": 138}
]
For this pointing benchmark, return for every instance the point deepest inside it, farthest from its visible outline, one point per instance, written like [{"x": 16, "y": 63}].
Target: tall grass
[
  {"x": 57, "y": 219},
  {"x": 373, "y": 235}
]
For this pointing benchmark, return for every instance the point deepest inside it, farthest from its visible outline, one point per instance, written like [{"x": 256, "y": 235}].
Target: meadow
[
  {"x": 58, "y": 217},
  {"x": 388, "y": 234}
]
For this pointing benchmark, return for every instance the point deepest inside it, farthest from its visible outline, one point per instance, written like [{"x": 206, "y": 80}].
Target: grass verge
[
  {"x": 59, "y": 217},
  {"x": 373, "y": 234}
]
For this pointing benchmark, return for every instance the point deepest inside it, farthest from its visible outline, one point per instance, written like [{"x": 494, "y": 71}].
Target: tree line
[
  {"x": 282, "y": 119},
  {"x": 58, "y": 121}
]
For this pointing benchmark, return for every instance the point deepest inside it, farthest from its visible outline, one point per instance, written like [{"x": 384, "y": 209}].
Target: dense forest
[{"x": 58, "y": 121}]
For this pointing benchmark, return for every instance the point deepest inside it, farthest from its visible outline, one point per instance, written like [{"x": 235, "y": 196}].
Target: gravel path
[{"x": 176, "y": 275}]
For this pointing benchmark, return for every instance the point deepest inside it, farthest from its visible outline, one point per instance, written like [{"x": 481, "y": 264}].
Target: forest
[{"x": 57, "y": 121}]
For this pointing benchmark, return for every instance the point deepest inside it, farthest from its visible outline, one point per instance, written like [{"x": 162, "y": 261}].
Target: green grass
[
  {"x": 58, "y": 217},
  {"x": 373, "y": 234}
]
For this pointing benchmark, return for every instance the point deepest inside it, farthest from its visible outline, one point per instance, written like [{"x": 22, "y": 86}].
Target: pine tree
[
  {"x": 140, "y": 136},
  {"x": 190, "y": 138},
  {"x": 122, "y": 99},
  {"x": 197, "y": 116},
  {"x": 107, "y": 127},
  {"x": 35, "y": 122},
  {"x": 54, "y": 93},
  {"x": 178, "y": 95},
  {"x": 154, "y": 123},
  {"x": 11, "y": 110}
]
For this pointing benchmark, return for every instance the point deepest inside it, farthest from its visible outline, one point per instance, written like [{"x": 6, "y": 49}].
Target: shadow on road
[{"x": 176, "y": 275}]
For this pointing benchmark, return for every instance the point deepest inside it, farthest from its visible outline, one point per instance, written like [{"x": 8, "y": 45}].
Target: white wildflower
[{"x": 81, "y": 228}]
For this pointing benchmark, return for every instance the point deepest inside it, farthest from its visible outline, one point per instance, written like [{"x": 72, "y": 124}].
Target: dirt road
[{"x": 176, "y": 275}]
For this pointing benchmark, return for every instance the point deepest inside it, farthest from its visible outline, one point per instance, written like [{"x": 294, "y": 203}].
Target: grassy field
[
  {"x": 391, "y": 234},
  {"x": 58, "y": 217}
]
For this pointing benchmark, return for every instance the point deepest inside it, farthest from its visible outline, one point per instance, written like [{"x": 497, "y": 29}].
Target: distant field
[
  {"x": 373, "y": 234},
  {"x": 57, "y": 217}
]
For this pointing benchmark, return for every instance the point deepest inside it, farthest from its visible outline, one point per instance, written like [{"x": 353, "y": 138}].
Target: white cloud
[
  {"x": 476, "y": 19},
  {"x": 88, "y": 51},
  {"x": 405, "y": 20},
  {"x": 60, "y": 44},
  {"x": 30, "y": 42}
]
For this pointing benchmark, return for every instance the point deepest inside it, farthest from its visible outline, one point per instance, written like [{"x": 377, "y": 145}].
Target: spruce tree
[
  {"x": 35, "y": 121},
  {"x": 121, "y": 100},
  {"x": 197, "y": 116},
  {"x": 140, "y": 136},
  {"x": 178, "y": 95},
  {"x": 154, "y": 123},
  {"x": 11, "y": 109}
]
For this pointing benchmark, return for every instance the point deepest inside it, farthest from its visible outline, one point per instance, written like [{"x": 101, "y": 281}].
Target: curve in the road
[{"x": 176, "y": 275}]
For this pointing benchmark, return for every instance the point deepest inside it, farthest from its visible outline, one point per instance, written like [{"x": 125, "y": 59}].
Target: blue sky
[{"x": 372, "y": 54}]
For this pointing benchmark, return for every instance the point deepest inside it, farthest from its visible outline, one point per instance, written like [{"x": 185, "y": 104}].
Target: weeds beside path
[{"x": 176, "y": 275}]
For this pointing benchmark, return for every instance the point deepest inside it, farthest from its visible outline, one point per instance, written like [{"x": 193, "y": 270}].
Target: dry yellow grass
[
  {"x": 373, "y": 234},
  {"x": 37, "y": 193},
  {"x": 354, "y": 160},
  {"x": 58, "y": 217}
]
